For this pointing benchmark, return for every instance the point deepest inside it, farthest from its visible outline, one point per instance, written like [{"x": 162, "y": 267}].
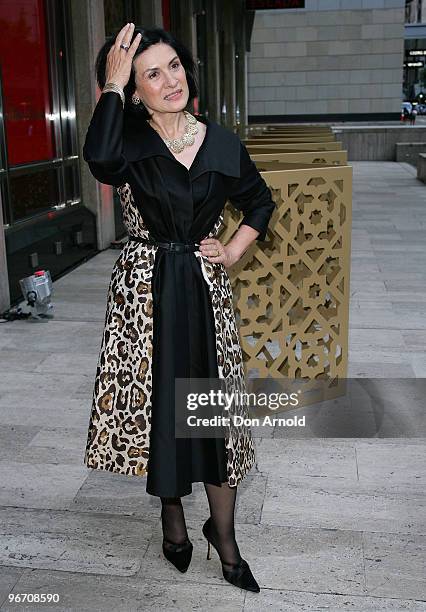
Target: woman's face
[{"x": 158, "y": 73}]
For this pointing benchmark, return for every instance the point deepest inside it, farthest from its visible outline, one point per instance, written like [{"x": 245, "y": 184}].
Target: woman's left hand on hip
[{"x": 217, "y": 252}]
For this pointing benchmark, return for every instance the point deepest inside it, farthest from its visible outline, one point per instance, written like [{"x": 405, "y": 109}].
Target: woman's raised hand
[{"x": 119, "y": 61}]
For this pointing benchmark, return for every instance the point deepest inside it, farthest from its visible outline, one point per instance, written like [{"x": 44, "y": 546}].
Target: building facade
[
  {"x": 305, "y": 60},
  {"x": 53, "y": 214},
  {"x": 327, "y": 60},
  {"x": 414, "y": 84}
]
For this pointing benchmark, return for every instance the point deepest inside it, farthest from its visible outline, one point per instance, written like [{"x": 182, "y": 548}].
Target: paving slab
[
  {"x": 73, "y": 541},
  {"x": 98, "y": 593}
]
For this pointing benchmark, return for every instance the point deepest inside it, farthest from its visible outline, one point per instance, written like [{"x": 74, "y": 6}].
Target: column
[
  {"x": 88, "y": 31},
  {"x": 228, "y": 96},
  {"x": 149, "y": 14},
  {"x": 4, "y": 279},
  {"x": 241, "y": 69},
  {"x": 213, "y": 86}
]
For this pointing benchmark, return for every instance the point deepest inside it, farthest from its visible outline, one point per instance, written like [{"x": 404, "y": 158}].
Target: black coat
[{"x": 169, "y": 315}]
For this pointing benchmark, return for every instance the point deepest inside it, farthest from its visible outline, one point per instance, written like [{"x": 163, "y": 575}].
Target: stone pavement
[{"x": 326, "y": 524}]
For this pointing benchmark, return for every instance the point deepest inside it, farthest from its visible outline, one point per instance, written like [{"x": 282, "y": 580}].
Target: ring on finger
[{"x": 125, "y": 47}]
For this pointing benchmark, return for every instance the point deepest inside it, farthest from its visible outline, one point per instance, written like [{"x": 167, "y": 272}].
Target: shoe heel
[{"x": 209, "y": 554}]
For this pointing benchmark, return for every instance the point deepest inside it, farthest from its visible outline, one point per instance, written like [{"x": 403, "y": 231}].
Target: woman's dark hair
[{"x": 150, "y": 37}]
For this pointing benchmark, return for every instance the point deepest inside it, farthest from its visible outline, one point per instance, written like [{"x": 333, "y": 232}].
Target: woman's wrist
[
  {"x": 241, "y": 241},
  {"x": 115, "y": 88},
  {"x": 233, "y": 254}
]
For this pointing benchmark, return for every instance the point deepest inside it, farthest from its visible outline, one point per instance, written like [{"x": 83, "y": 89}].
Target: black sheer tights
[
  {"x": 222, "y": 533},
  {"x": 222, "y": 509},
  {"x": 173, "y": 521}
]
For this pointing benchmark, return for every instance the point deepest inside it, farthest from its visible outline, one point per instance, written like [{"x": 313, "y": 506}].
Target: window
[{"x": 38, "y": 135}]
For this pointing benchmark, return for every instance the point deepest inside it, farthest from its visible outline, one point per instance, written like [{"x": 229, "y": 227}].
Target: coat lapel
[{"x": 219, "y": 152}]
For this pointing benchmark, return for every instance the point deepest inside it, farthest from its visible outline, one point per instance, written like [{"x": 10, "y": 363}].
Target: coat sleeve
[
  {"x": 103, "y": 146},
  {"x": 251, "y": 195}
]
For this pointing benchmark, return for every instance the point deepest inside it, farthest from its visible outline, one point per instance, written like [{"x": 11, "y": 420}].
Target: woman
[{"x": 169, "y": 310}]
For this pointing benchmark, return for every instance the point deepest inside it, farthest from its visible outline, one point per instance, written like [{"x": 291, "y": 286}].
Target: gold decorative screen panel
[
  {"x": 338, "y": 158},
  {"x": 285, "y": 147},
  {"x": 289, "y": 138},
  {"x": 292, "y": 291}
]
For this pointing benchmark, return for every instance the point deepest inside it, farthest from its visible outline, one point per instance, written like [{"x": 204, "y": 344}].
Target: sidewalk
[{"x": 326, "y": 524}]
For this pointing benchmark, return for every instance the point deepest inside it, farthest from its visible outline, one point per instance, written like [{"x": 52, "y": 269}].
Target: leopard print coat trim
[{"x": 120, "y": 420}]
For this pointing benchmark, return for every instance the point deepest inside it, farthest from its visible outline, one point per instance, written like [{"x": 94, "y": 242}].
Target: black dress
[{"x": 181, "y": 205}]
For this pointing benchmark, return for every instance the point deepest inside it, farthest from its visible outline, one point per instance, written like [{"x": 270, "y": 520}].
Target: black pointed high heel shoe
[
  {"x": 179, "y": 554},
  {"x": 240, "y": 575}
]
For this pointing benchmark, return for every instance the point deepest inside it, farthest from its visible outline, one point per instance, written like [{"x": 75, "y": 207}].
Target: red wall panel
[{"x": 24, "y": 58}]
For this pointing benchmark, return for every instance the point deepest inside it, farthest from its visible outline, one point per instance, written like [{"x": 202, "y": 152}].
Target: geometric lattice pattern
[{"x": 292, "y": 294}]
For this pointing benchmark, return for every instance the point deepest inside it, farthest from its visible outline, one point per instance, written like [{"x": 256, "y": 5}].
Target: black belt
[{"x": 176, "y": 247}]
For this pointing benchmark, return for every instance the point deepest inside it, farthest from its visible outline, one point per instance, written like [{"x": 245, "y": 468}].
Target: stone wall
[
  {"x": 408, "y": 152},
  {"x": 377, "y": 143},
  {"x": 333, "y": 57}
]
